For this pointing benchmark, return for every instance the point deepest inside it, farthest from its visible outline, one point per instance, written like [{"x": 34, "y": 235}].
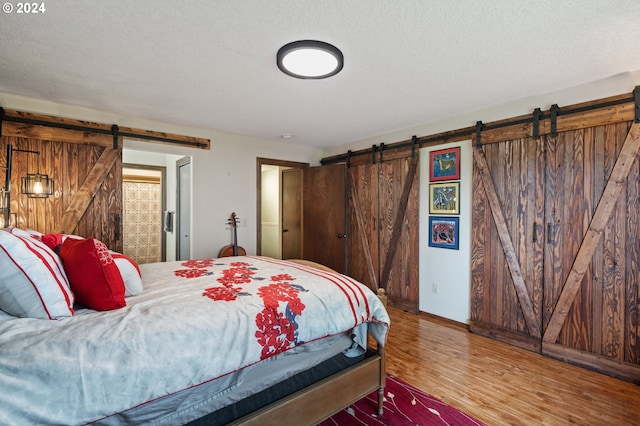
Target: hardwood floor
[{"x": 500, "y": 384}]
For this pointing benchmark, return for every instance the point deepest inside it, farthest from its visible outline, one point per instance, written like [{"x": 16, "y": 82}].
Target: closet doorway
[
  {"x": 144, "y": 200},
  {"x": 279, "y": 208}
]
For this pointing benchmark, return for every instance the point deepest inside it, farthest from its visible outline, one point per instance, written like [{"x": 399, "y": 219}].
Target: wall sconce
[
  {"x": 37, "y": 185},
  {"x": 33, "y": 185}
]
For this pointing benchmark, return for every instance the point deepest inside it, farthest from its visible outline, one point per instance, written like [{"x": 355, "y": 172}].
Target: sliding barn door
[
  {"x": 507, "y": 241},
  {"x": 592, "y": 252},
  {"x": 556, "y": 246},
  {"x": 398, "y": 231},
  {"x": 383, "y": 227},
  {"x": 363, "y": 262},
  {"x": 87, "y": 197}
]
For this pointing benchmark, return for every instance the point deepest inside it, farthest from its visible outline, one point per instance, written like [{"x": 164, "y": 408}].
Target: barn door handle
[
  {"x": 549, "y": 233},
  {"x": 374, "y": 224},
  {"x": 535, "y": 232},
  {"x": 285, "y": 230},
  {"x": 118, "y": 221}
]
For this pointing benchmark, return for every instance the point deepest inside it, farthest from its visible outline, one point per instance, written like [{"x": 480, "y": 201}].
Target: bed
[{"x": 238, "y": 340}]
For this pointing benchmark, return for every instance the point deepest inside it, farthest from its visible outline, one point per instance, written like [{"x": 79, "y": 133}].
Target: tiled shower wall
[{"x": 142, "y": 221}]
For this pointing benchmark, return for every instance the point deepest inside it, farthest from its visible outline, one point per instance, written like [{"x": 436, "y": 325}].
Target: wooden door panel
[
  {"x": 383, "y": 227},
  {"x": 324, "y": 207},
  {"x": 594, "y": 302},
  {"x": 631, "y": 344},
  {"x": 363, "y": 222},
  {"x": 96, "y": 207},
  {"x": 398, "y": 232},
  {"x": 507, "y": 247},
  {"x": 292, "y": 214}
]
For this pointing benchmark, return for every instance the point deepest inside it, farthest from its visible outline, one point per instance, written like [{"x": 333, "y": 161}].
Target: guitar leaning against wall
[{"x": 233, "y": 249}]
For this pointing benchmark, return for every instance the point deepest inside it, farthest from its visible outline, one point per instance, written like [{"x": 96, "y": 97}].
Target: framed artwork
[
  {"x": 444, "y": 198},
  {"x": 444, "y": 232},
  {"x": 444, "y": 164}
]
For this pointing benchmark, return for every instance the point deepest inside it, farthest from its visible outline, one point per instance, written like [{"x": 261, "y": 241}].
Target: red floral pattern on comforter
[{"x": 277, "y": 326}]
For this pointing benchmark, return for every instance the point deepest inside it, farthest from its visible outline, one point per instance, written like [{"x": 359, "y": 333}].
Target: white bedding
[{"x": 194, "y": 322}]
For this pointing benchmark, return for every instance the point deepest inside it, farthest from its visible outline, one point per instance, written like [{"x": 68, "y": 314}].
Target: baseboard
[{"x": 444, "y": 321}]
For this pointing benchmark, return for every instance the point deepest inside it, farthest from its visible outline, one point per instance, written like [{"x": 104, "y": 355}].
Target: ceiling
[{"x": 212, "y": 64}]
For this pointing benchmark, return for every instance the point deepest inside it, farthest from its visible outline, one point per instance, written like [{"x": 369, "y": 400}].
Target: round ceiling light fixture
[{"x": 310, "y": 59}]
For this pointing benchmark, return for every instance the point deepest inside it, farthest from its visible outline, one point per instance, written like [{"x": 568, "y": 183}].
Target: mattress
[{"x": 197, "y": 401}]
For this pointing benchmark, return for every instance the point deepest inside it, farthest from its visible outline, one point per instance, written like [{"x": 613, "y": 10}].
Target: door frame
[
  {"x": 163, "y": 188},
  {"x": 268, "y": 162},
  {"x": 180, "y": 163}
]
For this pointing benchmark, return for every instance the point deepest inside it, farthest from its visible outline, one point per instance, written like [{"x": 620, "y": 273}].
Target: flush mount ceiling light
[{"x": 310, "y": 59}]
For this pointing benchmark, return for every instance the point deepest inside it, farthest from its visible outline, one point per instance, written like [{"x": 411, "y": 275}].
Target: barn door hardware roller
[
  {"x": 373, "y": 154},
  {"x": 478, "y": 133},
  {"x": 414, "y": 142},
  {"x": 536, "y": 122},
  {"x": 381, "y": 151},
  {"x": 636, "y": 100},
  {"x": 554, "y": 119},
  {"x": 114, "y": 131}
]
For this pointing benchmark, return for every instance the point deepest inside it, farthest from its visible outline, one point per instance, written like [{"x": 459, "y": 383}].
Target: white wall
[{"x": 448, "y": 269}]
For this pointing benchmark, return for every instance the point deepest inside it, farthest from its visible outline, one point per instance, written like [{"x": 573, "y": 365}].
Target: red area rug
[{"x": 403, "y": 405}]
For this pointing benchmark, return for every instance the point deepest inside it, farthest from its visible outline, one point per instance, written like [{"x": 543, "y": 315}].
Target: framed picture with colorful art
[
  {"x": 444, "y": 232},
  {"x": 444, "y": 164},
  {"x": 444, "y": 198}
]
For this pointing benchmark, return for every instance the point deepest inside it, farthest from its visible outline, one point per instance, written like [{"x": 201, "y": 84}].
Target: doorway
[
  {"x": 144, "y": 200},
  {"x": 269, "y": 241},
  {"x": 151, "y": 159}
]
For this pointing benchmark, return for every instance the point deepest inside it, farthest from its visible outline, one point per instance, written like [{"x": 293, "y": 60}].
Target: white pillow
[
  {"x": 130, "y": 273},
  {"x": 33, "y": 283}
]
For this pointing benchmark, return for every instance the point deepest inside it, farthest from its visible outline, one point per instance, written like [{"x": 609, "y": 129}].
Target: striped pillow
[
  {"x": 130, "y": 272},
  {"x": 33, "y": 283}
]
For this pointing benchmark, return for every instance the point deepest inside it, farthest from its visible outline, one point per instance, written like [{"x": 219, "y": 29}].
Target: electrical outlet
[{"x": 435, "y": 287}]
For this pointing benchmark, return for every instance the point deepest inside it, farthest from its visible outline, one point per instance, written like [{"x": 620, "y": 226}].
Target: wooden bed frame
[{"x": 321, "y": 400}]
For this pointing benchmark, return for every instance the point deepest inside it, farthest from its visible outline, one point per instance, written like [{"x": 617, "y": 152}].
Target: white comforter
[{"x": 195, "y": 321}]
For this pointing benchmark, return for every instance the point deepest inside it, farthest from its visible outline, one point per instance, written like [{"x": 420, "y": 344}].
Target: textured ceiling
[{"x": 211, "y": 64}]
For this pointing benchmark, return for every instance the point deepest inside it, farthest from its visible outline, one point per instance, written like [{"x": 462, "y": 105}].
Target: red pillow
[
  {"x": 54, "y": 241},
  {"x": 94, "y": 277}
]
